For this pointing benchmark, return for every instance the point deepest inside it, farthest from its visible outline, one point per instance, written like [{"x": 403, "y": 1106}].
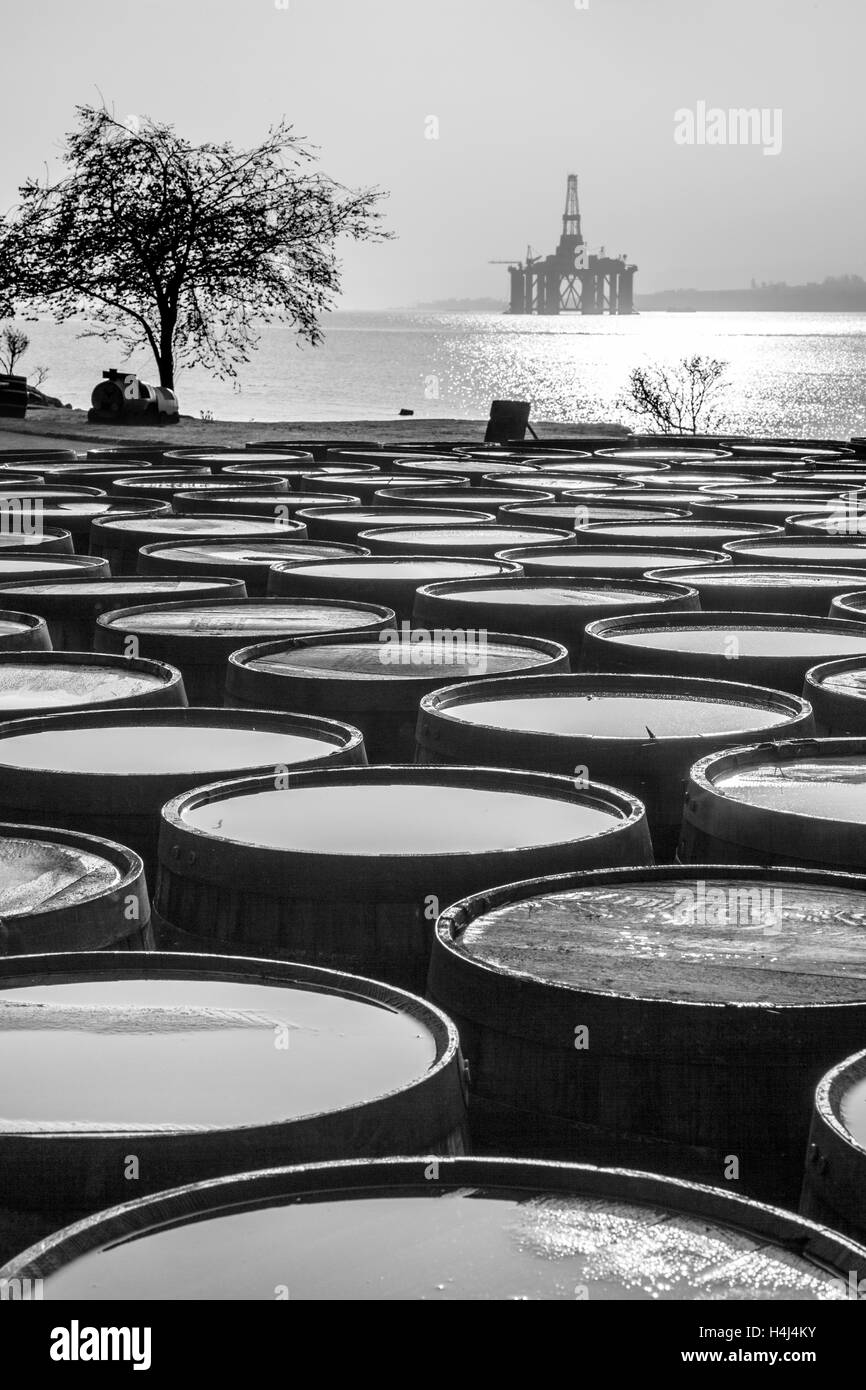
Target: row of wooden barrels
[{"x": 676, "y": 1018}]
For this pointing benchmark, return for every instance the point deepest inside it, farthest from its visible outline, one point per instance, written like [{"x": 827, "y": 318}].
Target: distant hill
[
  {"x": 835, "y": 294},
  {"x": 464, "y": 306}
]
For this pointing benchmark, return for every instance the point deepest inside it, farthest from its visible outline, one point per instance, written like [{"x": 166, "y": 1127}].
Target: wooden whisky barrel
[{"x": 677, "y": 1017}]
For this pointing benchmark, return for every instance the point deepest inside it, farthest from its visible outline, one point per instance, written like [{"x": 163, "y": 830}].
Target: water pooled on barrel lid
[
  {"x": 247, "y": 618},
  {"x": 830, "y": 787},
  {"x": 55, "y": 683},
  {"x": 405, "y": 817},
  {"x": 41, "y": 876},
  {"x": 739, "y": 939},
  {"x": 159, "y": 1053}
]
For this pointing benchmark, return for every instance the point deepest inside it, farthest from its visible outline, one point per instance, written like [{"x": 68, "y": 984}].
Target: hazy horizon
[{"x": 523, "y": 94}]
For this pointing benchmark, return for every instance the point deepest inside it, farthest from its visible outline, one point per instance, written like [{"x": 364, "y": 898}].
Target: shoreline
[{"x": 72, "y": 426}]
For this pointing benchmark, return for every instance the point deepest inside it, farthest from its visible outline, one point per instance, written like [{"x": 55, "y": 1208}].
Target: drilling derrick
[{"x": 572, "y": 280}]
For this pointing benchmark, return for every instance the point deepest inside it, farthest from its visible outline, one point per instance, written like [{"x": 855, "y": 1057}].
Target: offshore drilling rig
[{"x": 571, "y": 280}]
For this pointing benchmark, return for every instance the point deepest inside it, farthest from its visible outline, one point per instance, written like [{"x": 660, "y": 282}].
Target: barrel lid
[
  {"x": 763, "y": 577},
  {"x": 663, "y": 454},
  {"x": 164, "y": 1042},
  {"x": 400, "y": 481},
  {"x": 378, "y": 815},
  {"x": 791, "y": 549},
  {"x": 482, "y": 497},
  {"x": 572, "y": 513},
  {"x": 636, "y": 559},
  {"x": 821, "y": 779},
  {"x": 505, "y": 1229},
  {"x": 295, "y": 500},
  {"x": 468, "y": 467},
  {"x": 170, "y": 741},
  {"x": 122, "y": 585},
  {"x": 425, "y": 537},
  {"x": 368, "y": 518},
  {"x": 599, "y": 468},
  {"x": 770, "y": 492},
  {"x": 93, "y": 506},
  {"x": 635, "y": 708},
  {"x": 424, "y": 568},
  {"x": 780, "y": 510},
  {"x": 687, "y": 479},
  {"x": 696, "y": 934},
  {"x": 11, "y": 623},
  {"x": 39, "y": 875},
  {"x": 553, "y": 483},
  {"x": 849, "y": 677},
  {"x": 532, "y": 593},
  {"x": 840, "y": 1100},
  {"x": 709, "y": 534},
  {"x": 756, "y": 634},
  {"x": 211, "y": 484},
  {"x": 251, "y": 457},
  {"x": 44, "y": 680},
  {"x": 26, "y": 566},
  {"x": 203, "y": 525},
  {"x": 395, "y": 655},
  {"x": 46, "y": 537},
  {"x": 853, "y": 603},
  {"x": 49, "y": 495},
  {"x": 251, "y": 552},
  {"x": 803, "y": 451},
  {"x": 246, "y": 617}
]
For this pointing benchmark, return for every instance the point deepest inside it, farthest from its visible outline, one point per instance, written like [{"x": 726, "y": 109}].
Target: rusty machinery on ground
[{"x": 121, "y": 398}]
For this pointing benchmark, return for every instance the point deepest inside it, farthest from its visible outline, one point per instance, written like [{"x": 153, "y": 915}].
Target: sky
[{"x": 521, "y": 92}]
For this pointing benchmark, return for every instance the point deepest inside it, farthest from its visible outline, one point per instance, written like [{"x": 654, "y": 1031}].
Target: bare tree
[
  {"x": 182, "y": 248},
  {"x": 15, "y": 344},
  {"x": 682, "y": 400}
]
